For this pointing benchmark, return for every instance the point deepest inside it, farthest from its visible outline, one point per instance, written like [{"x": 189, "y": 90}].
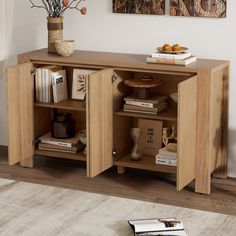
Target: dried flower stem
[{"x": 55, "y": 8}]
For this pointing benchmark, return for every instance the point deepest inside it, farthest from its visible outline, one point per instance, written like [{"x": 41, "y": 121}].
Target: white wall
[{"x": 102, "y": 30}]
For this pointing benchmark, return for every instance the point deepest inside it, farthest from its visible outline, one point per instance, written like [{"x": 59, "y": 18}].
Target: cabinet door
[
  {"x": 186, "y": 132},
  {"x": 20, "y": 86},
  {"x": 99, "y": 122}
]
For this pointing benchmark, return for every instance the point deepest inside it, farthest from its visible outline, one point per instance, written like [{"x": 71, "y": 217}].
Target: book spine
[
  {"x": 171, "y": 61},
  {"x": 54, "y": 92},
  {"x": 57, "y": 150},
  {"x": 171, "y": 56},
  {"x": 36, "y": 80},
  {"x": 141, "y": 104},
  {"x": 40, "y": 85},
  {"x": 44, "y": 85},
  {"x": 165, "y": 162},
  {"x": 164, "y": 61},
  {"x": 58, "y": 143},
  {"x": 167, "y": 156}
]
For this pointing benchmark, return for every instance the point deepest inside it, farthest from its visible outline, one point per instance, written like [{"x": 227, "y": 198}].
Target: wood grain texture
[
  {"x": 203, "y": 8},
  {"x": 121, "y": 61},
  {"x": 203, "y": 143},
  {"x": 151, "y": 7},
  {"x": 134, "y": 184},
  {"x": 187, "y": 107},
  {"x": 100, "y": 121},
  {"x": 70, "y": 212},
  {"x": 121, "y": 125},
  {"x": 147, "y": 162},
  {"x": 221, "y": 172},
  {"x": 20, "y": 86}
]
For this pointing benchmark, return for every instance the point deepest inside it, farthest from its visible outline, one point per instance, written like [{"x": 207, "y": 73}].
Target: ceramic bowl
[
  {"x": 174, "y": 96},
  {"x": 65, "y": 48}
]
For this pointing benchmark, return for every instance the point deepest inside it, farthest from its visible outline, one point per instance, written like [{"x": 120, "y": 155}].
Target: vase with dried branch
[{"x": 55, "y": 10}]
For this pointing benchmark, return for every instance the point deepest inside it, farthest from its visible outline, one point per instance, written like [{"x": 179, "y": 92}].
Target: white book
[
  {"x": 166, "y": 162},
  {"x": 38, "y": 95},
  {"x": 141, "y": 104},
  {"x": 165, "y": 226},
  {"x": 164, "y": 157},
  {"x": 181, "y": 56},
  {"x": 59, "y": 86},
  {"x": 57, "y": 143},
  {"x": 169, "y": 61}
]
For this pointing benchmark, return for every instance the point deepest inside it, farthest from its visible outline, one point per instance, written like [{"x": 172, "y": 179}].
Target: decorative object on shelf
[
  {"x": 69, "y": 145},
  {"x": 55, "y": 11},
  {"x": 83, "y": 139},
  {"x": 79, "y": 83},
  {"x": 175, "y": 49},
  {"x": 170, "y": 139},
  {"x": 205, "y": 8},
  {"x": 174, "y": 97},
  {"x": 143, "y": 85},
  {"x": 65, "y": 48},
  {"x": 150, "y": 7},
  {"x": 135, "y": 135},
  {"x": 63, "y": 126},
  {"x": 151, "y": 138},
  {"x": 174, "y": 54}
]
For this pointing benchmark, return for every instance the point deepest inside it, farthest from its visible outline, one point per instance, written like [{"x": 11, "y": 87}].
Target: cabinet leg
[
  {"x": 120, "y": 170},
  {"x": 203, "y": 183},
  {"x": 27, "y": 163}
]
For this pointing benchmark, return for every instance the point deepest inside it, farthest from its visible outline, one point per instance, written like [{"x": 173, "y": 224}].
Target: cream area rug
[{"x": 30, "y": 210}]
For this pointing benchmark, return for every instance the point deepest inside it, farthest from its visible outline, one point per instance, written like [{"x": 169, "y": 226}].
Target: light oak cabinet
[{"x": 201, "y": 116}]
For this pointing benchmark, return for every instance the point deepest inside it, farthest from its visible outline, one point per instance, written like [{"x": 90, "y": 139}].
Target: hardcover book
[
  {"x": 59, "y": 86},
  {"x": 48, "y": 139},
  {"x": 151, "y": 102},
  {"x": 180, "y": 56},
  {"x": 184, "y": 62},
  {"x": 165, "y": 226}
]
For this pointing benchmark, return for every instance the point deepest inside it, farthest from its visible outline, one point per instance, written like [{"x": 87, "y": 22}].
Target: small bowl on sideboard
[{"x": 65, "y": 48}]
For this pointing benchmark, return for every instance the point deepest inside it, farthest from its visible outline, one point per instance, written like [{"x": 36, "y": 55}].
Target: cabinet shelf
[
  {"x": 146, "y": 163},
  {"x": 168, "y": 115},
  {"x": 74, "y": 156},
  {"x": 73, "y": 105}
]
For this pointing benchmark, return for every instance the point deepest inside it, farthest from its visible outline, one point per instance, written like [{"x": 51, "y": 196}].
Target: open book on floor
[{"x": 154, "y": 227}]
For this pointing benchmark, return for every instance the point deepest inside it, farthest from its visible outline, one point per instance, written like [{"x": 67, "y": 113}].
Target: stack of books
[
  {"x": 148, "y": 106},
  {"x": 71, "y": 145},
  {"x": 164, "y": 226},
  {"x": 166, "y": 157},
  {"x": 184, "y": 58},
  {"x": 50, "y": 84}
]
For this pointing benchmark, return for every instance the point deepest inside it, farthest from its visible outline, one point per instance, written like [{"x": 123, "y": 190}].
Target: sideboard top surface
[{"x": 117, "y": 61}]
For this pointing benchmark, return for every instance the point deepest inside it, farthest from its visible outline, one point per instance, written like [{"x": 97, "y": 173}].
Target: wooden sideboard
[{"x": 201, "y": 116}]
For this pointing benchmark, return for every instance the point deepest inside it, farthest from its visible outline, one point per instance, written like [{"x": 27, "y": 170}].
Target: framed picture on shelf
[
  {"x": 79, "y": 83},
  {"x": 151, "y": 136}
]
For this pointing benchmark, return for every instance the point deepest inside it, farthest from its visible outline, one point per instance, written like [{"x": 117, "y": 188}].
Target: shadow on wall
[{"x": 232, "y": 153}]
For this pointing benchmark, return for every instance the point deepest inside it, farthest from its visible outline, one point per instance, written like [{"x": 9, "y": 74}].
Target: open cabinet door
[
  {"x": 186, "y": 132},
  {"x": 20, "y": 88},
  {"x": 99, "y": 122}
]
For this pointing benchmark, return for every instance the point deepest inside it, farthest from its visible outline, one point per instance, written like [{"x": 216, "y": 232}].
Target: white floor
[{"x": 31, "y": 209}]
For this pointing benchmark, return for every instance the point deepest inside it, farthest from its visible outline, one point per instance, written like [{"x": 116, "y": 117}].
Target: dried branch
[
  {"x": 56, "y": 8},
  {"x": 33, "y": 5}
]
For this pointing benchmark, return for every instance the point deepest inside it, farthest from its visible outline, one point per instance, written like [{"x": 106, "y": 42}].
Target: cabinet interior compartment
[
  {"x": 44, "y": 114},
  {"x": 125, "y": 121},
  {"x": 70, "y": 104}
]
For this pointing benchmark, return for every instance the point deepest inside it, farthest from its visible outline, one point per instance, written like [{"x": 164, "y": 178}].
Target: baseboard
[{"x": 3, "y": 151}]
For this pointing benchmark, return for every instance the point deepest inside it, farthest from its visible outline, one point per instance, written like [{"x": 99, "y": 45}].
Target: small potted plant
[{"x": 55, "y": 10}]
